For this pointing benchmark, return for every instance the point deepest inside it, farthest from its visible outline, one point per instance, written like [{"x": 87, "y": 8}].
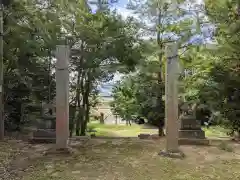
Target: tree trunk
[
  {"x": 101, "y": 118},
  {"x": 72, "y": 117},
  {"x": 161, "y": 128},
  {"x": 86, "y": 106},
  {"x": 238, "y": 8},
  {"x": 78, "y": 100},
  {"x": 160, "y": 103},
  {"x": 82, "y": 124},
  {"x": 78, "y": 122},
  {"x": 1, "y": 74},
  {"x": 80, "y": 89},
  {"x": 86, "y": 119},
  {"x": 82, "y": 119},
  {"x": 77, "y": 118},
  {"x": 49, "y": 77},
  {"x": 87, "y": 115}
]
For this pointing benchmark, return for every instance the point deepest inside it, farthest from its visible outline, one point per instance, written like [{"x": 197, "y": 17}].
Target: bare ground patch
[{"x": 121, "y": 159}]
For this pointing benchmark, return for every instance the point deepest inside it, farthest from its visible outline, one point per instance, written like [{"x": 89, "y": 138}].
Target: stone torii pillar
[
  {"x": 62, "y": 96},
  {"x": 171, "y": 102}
]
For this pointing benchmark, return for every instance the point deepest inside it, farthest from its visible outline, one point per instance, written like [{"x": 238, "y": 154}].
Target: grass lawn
[
  {"x": 121, "y": 130},
  {"x": 97, "y": 159},
  {"x": 216, "y": 131},
  {"x": 134, "y": 130}
]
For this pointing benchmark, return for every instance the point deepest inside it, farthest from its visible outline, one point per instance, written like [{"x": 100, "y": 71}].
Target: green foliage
[
  {"x": 26, "y": 68},
  {"x": 136, "y": 94},
  {"x": 214, "y": 74},
  {"x": 104, "y": 42},
  {"x": 145, "y": 88},
  {"x": 210, "y": 77}
]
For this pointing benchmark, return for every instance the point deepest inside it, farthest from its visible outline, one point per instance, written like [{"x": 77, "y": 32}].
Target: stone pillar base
[
  {"x": 193, "y": 133},
  {"x": 176, "y": 154},
  {"x": 193, "y": 141},
  {"x": 64, "y": 151},
  {"x": 43, "y": 136}
]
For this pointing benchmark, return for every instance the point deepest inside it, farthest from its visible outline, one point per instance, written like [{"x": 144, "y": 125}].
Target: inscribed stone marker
[
  {"x": 171, "y": 100},
  {"x": 62, "y": 96}
]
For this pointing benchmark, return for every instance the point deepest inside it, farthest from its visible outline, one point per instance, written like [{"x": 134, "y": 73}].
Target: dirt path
[
  {"x": 120, "y": 159},
  {"x": 18, "y": 158}
]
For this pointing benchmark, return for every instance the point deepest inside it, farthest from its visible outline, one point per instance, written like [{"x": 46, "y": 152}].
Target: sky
[
  {"x": 120, "y": 6},
  {"x": 121, "y": 9},
  {"x": 122, "y": 3}
]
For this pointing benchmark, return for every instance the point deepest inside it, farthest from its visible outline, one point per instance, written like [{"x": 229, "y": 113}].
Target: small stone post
[
  {"x": 102, "y": 118},
  {"x": 116, "y": 119},
  {"x": 62, "y": 96}
]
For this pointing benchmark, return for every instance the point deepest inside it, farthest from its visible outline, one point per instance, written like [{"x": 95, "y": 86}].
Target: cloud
[{"x": 124, "y": 12}]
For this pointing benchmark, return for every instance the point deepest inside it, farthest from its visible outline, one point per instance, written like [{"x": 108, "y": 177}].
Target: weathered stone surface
[
  {"x": 43, "y": 136},
  {"x": 48, "y": 133},
  {"x": 191, "y": 141},
  {"x": 62, "y": 96},
  {"x": 63, "y": 151},
  {"x": 176, "y": 154},
  {"x": 144, "y": 136},
  {"x": 198, "y": 134},
  {"x": 155, "y": 136},
  {"x": 41, "y": 140},
  {"x": 190, "y": 132},
  {"x": 189, "y": 123},
  {"x": 45, "y": 132},
  {"x": 171, "y": 97}
]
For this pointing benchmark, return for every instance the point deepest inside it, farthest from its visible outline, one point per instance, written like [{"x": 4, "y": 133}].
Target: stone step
[
  {"x": 198, "y": 134},
  {"x": 44, "y": 133},
  {"x": 41, "y": 140},
  {"x": 193, "y": 141}
]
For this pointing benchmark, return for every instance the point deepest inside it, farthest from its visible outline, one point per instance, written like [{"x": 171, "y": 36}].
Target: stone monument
[
  {"x": 46, "y": 132},
  {"x": 190, "y": 131}
]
